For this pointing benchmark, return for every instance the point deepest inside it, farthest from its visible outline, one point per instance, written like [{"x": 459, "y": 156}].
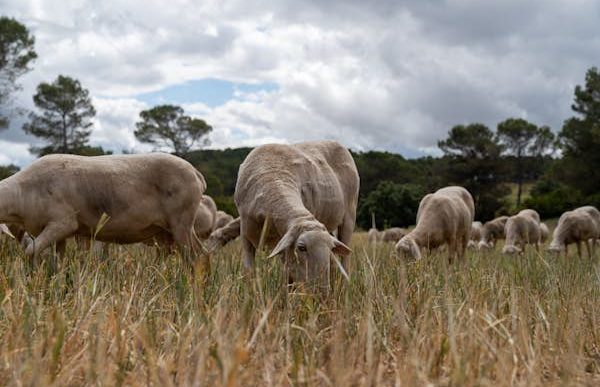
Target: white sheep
[
  {"x": 492, "y": 231},
  {"x": 577, "y": 226},
  {"x": 303, "y": 192},
  {"x": 444, "y": 217},
  {"x": 522, "y": 229},
  {"x": 476, "y": 231}
]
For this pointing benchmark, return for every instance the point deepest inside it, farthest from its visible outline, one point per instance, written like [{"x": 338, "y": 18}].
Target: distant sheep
[
  {"x": 492, "y": 231},
  {"x": 393, "y": 234},
  {"x": 476, "y": 231},
  {"x": 444, "y": 217},
  {"x": 222, "y": 219},
  {"x": 522, "y": 229},
  {"x": 206, "y": 215},
  {"x": 577, "y": 226},
  {"x": 374, "y": 235}
]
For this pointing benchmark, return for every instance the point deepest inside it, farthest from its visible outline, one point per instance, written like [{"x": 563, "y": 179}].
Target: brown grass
[{"x": 138, "y": 319}]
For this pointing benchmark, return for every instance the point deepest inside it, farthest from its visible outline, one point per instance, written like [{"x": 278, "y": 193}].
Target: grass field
[{"x": 139, "y": 319}]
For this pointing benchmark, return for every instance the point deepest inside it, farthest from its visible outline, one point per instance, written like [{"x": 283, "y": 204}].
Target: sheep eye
[{"x": 301, "y": 247}]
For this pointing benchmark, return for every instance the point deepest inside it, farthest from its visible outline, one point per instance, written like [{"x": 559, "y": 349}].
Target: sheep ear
[
  {"x": 284, "y": 243},
  {"x": 340, "y": 248}
]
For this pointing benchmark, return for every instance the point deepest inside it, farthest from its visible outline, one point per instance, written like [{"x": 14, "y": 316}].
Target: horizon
[{"x": 384, "y": 77}]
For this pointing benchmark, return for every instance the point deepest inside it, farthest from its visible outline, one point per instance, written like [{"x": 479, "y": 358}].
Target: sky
[{"x": 382, "y": 75}]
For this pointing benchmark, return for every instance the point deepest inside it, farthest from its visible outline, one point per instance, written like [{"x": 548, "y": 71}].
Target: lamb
[
  {"x": 576, "y": 226},
  {"x": 222, "y": 219},
  {"x": 476, "y": 231},
  {"x": 303, "y": 192},
  {"x": 59, "y": 196},
  {"x": 493, "y": 230},
  {"x": 444, "y": 217},
  {"x": 522, "y": 229},
  {"x": 393, "y": 234}
]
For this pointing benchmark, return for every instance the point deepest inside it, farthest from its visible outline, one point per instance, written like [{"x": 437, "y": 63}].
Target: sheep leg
[
  {"x": 53, "y": 232},
  {"x": 589, "y": 249},
  {"x": 566, "y": 250},
  {"x": 184, "y": 236},
  {"x": 248, "y": 252},
  {"x": 345, "y": 231},
  {"x": 579, "y": 249}
]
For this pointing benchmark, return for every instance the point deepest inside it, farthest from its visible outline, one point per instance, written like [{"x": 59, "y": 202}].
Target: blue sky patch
[{"x": 210, "y": 91}]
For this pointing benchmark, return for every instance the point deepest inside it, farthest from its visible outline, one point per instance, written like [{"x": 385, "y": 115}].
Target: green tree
[
  {"x": 8, "y": 170},
  {"x": 16, "y": 54},
  {"x": 392, "y": 205},
  {"x": 167, "y": 127},
  {"x": 472, "y": 160},
  {"x": 521, "y": 139},
  {"x": 66, "y": 117},
  {"x": 580, "y": 138}
]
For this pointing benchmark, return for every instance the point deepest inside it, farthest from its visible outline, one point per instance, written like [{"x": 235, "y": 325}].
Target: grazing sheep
[
  {"x": 205, "y": 217},
  {"x": 492, "y": 231},
  {"x": 374, "y": 235},
  {"x": 223, "y": 235},
  {"x": 303, "y": 191},
  {"x": 522, "y": 229},
  {"x": 476, "y": 231},
  {"x": 544, "y": 232},
  {"x": 575, "y": 226},
  {"x": 393, "y": 234},
  {"x": 444, "y": 217},
  {"x": 59, "y": 196},
  {"x": 222, "y": 219}
]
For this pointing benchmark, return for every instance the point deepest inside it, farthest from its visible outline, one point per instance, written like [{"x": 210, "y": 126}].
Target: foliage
[
  {"x": 8, "y": 170},
  {"x": 550, "y": 199},
  {"x": 392, "y": 204},
  {"x": 168, "y": 128},
  {"x": 219, "y": 167},
  {"x": 16, "y": 54},
  {"x": 66, "y": 117},
  {"x": 520, "y": 139},
  {"x": 580, "y": 138},
  {"x": 472, "y": 160}
]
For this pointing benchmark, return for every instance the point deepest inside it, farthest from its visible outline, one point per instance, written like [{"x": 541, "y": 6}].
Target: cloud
[{"x": 375, "y": 75}]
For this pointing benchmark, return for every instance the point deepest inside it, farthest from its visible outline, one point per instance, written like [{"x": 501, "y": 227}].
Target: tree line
[{"x": 562, "y": 170}]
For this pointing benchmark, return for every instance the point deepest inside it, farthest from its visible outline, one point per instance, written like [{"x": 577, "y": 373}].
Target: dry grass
[{"x": 138, "y": 319}]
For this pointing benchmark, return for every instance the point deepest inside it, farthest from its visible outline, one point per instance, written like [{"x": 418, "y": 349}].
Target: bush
[
  {"x": 393, "y": 205},
  {"x": 551, "y": 199}
]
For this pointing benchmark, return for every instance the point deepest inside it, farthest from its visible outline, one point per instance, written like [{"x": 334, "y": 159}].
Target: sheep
[
  {"x": 544, "y": 232},
  {"x": 374, "y": 235},
  {"x": 206, "y": 216},
  {"x": 476, "y": 230},
  {"x": 575, "y": 226},
  {"x": 59, "y": 196},
  {"x": 444, "y": 217},
  {"x": 303, "y": 192},
  {"x": 522, "y": 229},
  {"x": 222, "y": 219},
  {"x": 393, "y": 234},
  {"x": 492, "y": 231}
]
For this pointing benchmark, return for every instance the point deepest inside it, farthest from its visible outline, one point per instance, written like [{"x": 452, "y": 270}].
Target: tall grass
[{"x": 138, "y": 318}]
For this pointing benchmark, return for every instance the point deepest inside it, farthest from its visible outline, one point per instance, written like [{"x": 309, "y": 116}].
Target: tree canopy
[
  {"x": 16, "y": 54},
  {"x": 65, "y": 119},
  {"x": 167, "y": 127}
]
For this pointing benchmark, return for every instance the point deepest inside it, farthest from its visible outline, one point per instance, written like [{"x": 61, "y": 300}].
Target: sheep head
[
  {"x": 306, "y": 252},
  {"x": 408, "y": 247},
  {"x": 511, "y": 250}
]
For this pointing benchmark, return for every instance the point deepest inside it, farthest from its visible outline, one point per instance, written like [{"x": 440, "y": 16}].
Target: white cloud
[{"x": 375, "y": 75}]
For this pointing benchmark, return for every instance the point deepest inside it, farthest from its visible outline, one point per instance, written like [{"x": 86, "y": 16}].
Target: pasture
[{"x": 138, "y": 319}]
